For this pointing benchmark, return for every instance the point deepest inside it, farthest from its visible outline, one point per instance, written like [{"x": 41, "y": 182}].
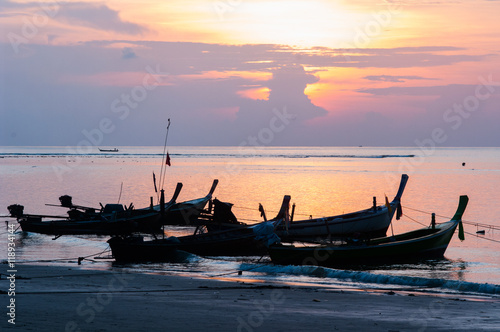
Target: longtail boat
[
  {"x": 111, "y": 219},
  {"x": 248, "y": 240},
  {"x": 183, "y": 213},
  {"x": 424, "y": 243},
  {"x": 372, "y": 222}
]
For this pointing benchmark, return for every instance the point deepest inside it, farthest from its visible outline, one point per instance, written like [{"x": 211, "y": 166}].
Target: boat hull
[
  {"x": 185, "y": 213},
  {"x": 422, "y": 244},
  {"x": 367, "y": 223},
  {"x": 148, "y": 222},
  {"x": 234, "y": 242}
]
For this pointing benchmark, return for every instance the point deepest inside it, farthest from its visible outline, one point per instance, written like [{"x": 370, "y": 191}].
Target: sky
[{"x": 250, "y": 72}]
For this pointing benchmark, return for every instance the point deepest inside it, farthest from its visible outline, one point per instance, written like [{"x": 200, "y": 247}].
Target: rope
[
  {"x": 418, "y": 222},
  {"x": 228, "y": 273},
  {"x": 270, "y": 211},
  {"x": 484, "y": 238},
  {"x": 406, "y": 207},
  {"x": 69, "y": 259},
  {"x": 469, "y": 223},
  {"x": 244, "y": 207},
  {"x": 100, "y": 253},
  {"x": 464, "y": 221},
  {"x": 57, "y": 276},
  {"x": 198, "y": 289}
]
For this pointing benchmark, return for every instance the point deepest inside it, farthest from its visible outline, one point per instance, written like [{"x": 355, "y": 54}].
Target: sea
[{"x": 322, "y": 181}]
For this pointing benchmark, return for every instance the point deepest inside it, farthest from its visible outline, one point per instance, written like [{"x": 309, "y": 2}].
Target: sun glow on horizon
[
  {"x": 295, "y": 23},
  {"x": 206, "y": 62}
]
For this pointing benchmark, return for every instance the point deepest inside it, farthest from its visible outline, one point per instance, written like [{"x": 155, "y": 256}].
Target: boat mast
[{"x": 163, "y": 169}]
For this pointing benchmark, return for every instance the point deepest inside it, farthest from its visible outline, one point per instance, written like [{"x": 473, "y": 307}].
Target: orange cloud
[{"x": 261, "y": 93}]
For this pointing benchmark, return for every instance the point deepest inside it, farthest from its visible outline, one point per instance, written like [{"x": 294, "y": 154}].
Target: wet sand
[{"x": 51, "y": 298}]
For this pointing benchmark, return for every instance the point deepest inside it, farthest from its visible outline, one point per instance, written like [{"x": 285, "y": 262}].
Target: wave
[{"x": 373, "y": 278}]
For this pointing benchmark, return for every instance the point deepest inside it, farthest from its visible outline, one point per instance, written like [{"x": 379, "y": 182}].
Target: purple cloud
[
  {"x": 395, "y": 79},
  {"x": 93, "y": 15}
]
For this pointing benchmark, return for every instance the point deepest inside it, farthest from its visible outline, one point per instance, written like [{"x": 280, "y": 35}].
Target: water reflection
[
  {"x": 320, "y": 186},
  {"x": 433, "y": 269}
]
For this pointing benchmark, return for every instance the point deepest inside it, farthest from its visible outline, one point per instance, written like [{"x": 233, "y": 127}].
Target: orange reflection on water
[{"x": 318, "y": 185}]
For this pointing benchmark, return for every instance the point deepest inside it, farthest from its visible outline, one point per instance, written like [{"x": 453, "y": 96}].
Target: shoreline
[{"x": 58, "y": 298}]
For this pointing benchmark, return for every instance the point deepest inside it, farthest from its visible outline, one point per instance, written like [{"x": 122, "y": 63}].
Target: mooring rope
[
  {"x": 69, "y": 258},
  {"x": 464, "y": 221},
  {"x": 238, "y": 271}
]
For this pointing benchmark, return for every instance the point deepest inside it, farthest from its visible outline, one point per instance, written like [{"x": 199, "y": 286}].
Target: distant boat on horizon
[{"x": 108, "y": 150}]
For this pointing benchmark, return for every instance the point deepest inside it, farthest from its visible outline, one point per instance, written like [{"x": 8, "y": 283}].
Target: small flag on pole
[{"x": 168, "y": 160}]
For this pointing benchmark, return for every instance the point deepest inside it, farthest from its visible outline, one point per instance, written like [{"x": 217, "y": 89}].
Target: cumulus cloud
[
  {"x": 97, "y": 16},
  {"x": 286, "y": 97},
  {"x": 93, "y": 15},
  {"x": 208, "y": 109}
]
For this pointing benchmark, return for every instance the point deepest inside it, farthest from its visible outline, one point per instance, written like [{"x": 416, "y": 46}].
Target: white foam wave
[{"x": 373, "y": 278}]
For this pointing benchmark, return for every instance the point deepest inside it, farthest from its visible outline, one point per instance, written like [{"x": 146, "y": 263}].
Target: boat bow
[{"x": 396, "y": 202}]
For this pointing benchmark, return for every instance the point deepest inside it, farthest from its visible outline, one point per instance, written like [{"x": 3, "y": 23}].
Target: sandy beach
[{"x": 51, "y": 298}]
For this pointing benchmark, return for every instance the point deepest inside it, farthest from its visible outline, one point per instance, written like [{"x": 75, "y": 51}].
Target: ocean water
[{"x": 322, "y": 181}]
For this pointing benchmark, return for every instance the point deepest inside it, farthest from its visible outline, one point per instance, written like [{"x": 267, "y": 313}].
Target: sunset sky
[{"x": 246, "y": 72}]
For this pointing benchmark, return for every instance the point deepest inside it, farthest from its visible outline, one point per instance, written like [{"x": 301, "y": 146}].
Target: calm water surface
[{"x": 322, "y": 181}]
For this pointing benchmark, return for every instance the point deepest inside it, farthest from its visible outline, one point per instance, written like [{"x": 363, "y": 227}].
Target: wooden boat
[
  {"x": 166, "y": 206},
  {"x": 242, "y": 241},
  {"x": 219, "y": 217},
  {"x": 122, "y": 223},
  {"x": 108, "y": 150},
  {"x": 424, "y": 243},
  {"x": 372, "y": 222},
  {"x": 113, "y": 219},
  {"x": 184, "y": 213}
]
